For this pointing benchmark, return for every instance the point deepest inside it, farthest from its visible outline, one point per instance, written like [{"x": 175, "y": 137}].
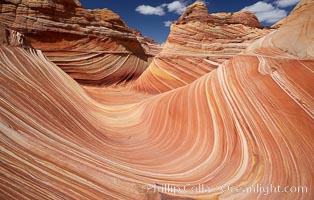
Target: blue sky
[{"x": 153, "y": 18}]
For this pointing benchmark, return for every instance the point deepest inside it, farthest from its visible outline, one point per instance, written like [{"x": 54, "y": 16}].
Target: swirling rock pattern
[
  {"x": 248, "y": 122},
  {"x": 197, "y": 44},
  {"x": 92, "y": 46}
]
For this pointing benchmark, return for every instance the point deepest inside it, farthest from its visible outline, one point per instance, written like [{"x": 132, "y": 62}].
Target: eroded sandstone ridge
[
  {"x": 247, "y": 123},
  {"x": 93, "y": 46},
  {"x": 197, "y": 44}
]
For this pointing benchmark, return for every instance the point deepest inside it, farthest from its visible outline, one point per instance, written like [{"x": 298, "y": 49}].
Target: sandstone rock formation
[
  {"x": 247, "y": 123},
  {"x": 93, "y": 46},
  {"x": 13, "y": 38},
  {"x": 294, "y": 38},
  {"x": 198, "y": 43}
]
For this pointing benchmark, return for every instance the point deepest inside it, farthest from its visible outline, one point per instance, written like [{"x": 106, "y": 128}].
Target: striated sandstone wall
[
  {"x": 198, "y": 43},
  {"x": 93, "y": 46}
]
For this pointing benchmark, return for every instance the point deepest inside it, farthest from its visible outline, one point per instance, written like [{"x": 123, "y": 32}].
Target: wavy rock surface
[
  {"x": 248, "y": 122},
  {"x": 93, "y": 46},
  {"x": 197, "y": 44}
]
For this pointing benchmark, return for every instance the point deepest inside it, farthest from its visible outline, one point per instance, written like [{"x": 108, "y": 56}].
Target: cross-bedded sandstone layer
[
  {"x": 197, "y": 44},
  {"x": 92, "y": 46},
  {"x": 249, "y": 122}
]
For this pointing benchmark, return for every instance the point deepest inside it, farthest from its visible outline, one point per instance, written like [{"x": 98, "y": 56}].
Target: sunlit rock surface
[
  {"x": 249, "y": 122},
  {"x": 92, "y": 46},
  {"x": 197, "y": 44}
]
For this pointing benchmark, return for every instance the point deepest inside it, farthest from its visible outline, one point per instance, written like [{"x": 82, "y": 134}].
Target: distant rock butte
[
  {"x": 198, "y": 43},
  {"x": 198, "y": 12},
  {"x": 93, "y": 46}
]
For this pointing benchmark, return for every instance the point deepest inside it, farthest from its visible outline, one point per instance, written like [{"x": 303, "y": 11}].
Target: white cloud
[
  {"x": 286, "y": 3},
  {"x": 167, "y": 23},
  {"x": 272, "y": 16},
  {"x": 266, "y": 12},
  {"x": 164, "y": 5},
  {"x": 177, "y": 7},
  {"x": 259, "y": 6},
  {"x": 150, "y": 10}
]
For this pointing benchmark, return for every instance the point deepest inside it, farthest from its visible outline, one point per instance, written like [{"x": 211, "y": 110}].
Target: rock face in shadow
[
  {"x": 13, "y": 38},
  {"x": 242, "y": 131},
  {"x": 198, "y": 43},
  {"x": 93, "y": 46}
]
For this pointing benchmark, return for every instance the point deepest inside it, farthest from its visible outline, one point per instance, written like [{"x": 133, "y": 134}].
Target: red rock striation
[
  {"x": 93, "y": 46},
  {"x": 198, "y": 43},
  {"x": 247, "y": 124}
]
